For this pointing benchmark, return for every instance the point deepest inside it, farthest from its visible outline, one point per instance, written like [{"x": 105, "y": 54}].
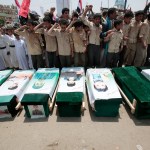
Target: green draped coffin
[
  {"x": 39, "y": 91},
  {"x": 104, "y": 96},
  {"x": 4, "y": 75},
  {"x": 136, "y": 87},
  {"x": 11, "y": 92},
  {"x": 70, "y": 92}
]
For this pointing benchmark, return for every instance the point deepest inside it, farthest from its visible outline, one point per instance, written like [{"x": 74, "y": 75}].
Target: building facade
[{"x": 8, "y": 13}]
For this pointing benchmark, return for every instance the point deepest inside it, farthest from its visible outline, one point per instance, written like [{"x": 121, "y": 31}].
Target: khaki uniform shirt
[
  {"x": 125, "y": 31},
  {"x": 144, "y": 30},
  {"x": 64, "y": 40},
  {"x": 134, "y": 31},
  {"x": 33, "y": 41},
  {"x": 78, "y": 38},
  {"x": 148, "y": 41},
  {"x": 95, "y": 31},
  {"x": 115, "y": 41},
  {"x": 51, "y": 43}
]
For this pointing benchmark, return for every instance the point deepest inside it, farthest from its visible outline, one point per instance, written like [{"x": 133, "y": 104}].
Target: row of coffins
[{"x": 38, "y": 91}]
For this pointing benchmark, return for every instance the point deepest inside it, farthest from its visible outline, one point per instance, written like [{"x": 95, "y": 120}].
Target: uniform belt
[
  {"x": 11, "y": 45},
  {"x": 2, "y": 47}
]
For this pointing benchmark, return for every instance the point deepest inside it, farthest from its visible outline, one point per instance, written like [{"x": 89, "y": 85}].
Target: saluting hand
[{"x": 56, "y": 25}]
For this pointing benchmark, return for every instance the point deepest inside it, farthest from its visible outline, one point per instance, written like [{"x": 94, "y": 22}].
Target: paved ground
[{"x": 85, "y": 133}]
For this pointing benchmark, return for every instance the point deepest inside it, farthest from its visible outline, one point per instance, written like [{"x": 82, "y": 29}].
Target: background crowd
[{"x": 86, "y": 39}]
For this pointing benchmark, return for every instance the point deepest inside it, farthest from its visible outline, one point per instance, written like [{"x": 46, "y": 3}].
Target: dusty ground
[{"x": 85, "y": 133}]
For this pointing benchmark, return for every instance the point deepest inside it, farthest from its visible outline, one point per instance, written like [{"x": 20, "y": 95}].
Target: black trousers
[
  {"x": 122, "y": 53},
  {"x": 148, "y": 56},
  {"x": 93, "y": 55},
  {"x": 51, "y": 59},
  {"x": 112, "y": 60},
  {"x": 37, "y": 61},
  {"x": 65, "y": 61}
]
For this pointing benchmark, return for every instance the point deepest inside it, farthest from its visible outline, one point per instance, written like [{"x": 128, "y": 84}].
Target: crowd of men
[{"x": 87, "y": 40}]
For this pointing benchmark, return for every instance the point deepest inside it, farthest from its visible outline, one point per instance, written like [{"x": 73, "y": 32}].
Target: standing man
[
  {"x": 51, "y": 43},
  {"x": 2, "y": 49},
  {"x": 34, "y": 43},
  {"x": 141, "y": 52},
  {"x": 10, "y": 38},
  {"x": 94, "y": 39},
  {"x": 126, "y": 25},
  {"x": 65, "y": 14},
  {"x": 107, "y": 26},
  {"x": 115, "y": 39},
  {"x": 21, "y": 53},
  {"x": 132, "y": 38},
  {"x": 148, "y": 42},
  {"x": 65, "y": 42},
  {"x": 79, "y": 41}
]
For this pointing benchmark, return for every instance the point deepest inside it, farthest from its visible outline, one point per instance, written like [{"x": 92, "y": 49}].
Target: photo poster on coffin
[
  {"x": 36, "y": 111},
  {"x": 4, "y": 113}
]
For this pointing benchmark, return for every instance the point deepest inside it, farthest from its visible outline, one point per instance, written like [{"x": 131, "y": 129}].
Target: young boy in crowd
[
  {"x": 79, "y": 41},
  {"x": 94, "y": 49},
  {"x": 115, "y": 39},
  {"x": 65, "y": 42},
  {"x": 51, "y": 43},
  {"x": 65, "y": 14},
  {"x": 134, "y": 28},
  {"x": 141, "y": 52},
  {"x": 148, "y": 42},
  {"x": 126, "y": 25},
  {"x": 34, "y": 42}
]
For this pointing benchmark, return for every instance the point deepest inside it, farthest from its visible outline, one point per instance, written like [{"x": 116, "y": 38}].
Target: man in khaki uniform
[
  {"x": 141, "y": 53},
  {"x": 79, "y": 40},
  {"x": 34, "y": 42},
  {"x": 94, "y": 40},
  {"x": 51, "y": 43},
  {"x": 65, "y": 43},
  {"x": 148, "y": 43},
  {"x": 126, "y": 25},
  {"x": 132, "y": 38},
  {"x": 114, "y": 39}
]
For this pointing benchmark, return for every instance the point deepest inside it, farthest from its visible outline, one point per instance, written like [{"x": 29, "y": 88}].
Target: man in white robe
[{"x": 21, "y": 53}]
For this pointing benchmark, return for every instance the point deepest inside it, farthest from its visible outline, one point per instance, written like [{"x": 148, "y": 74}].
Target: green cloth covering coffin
[
  {"x": 38, "y": 91},
  {"x": 4, "y": 75},
  {"x": 11, "y": 92},
  {"x": 104, "y": 96},
  {"x": 135, "y": 86},
  {"x": 70, "y": 92}
]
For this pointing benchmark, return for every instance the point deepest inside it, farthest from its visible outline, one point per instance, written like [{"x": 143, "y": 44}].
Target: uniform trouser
[
  {"x": 122, "y": 54},
  {"x": 112, "y": 59},
  {"x": 79, "y": 59},
  {"x": 103, "y": 58},
  {"x": 37, "y": 61},
  {"x": 51, "y": 59},
  {"x": 140, "y": 57},
  {"x": 148, "y": 56},
  {"x": 65, "y": 61},
  {"x": 93, "y": 55},
  {"x": 130, "y": 53}
]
